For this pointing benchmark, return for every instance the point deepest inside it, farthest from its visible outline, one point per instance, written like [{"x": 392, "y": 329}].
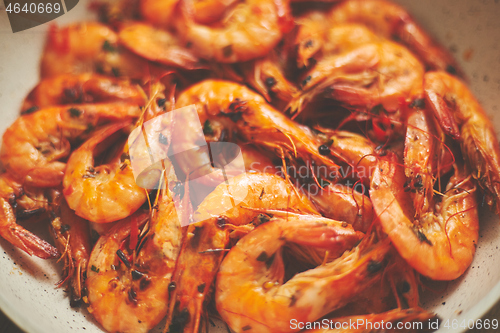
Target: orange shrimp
[
  {"x": 91, "y": 47},
  {"x": 128, "y": 284},
  {"x": 439, "y": 244},
  {"x": 251, "y": 277},
  {"x": 204, "y": 247},
  {"x": 374, "y": 73},
  {"x": 310, "y": 35},
  {"x": 162, "y": 13},
  {"x": 246, "y": 31},
  {"x": 390, "y": 20},
  {"x": 316, "y": 38},
  {"x": 35, "y": 144},
  {"x": 156, "y": 45},
  {"x": 72, "y": 237},
  {"x": 82, "y": 88},
  {"x": 158, "y": 12},
  {"x": 103, "y": 193},
  {"x": 14, "y": 233},
  {"x": 420, "y": 147},
  {"x": 232, "y": 108},
  {"x": 461, "y": 116}
]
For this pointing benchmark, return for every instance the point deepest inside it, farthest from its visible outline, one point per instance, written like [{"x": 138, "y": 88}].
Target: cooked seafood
[
  {"x": 156, "y": 45},
  {"x": 231, "y": 206},
  {"x": 251, "y": 276},
  {"x": 80, "y": 89},
  {"x": 103, "y": 193},
  {"x": 371, "y": 74},
  {"x": 442, "y": 242},
  {"x": 385, "y": 19},
  {"x": 128, "y": 284},
  {"x": 13, "y": 232},
  {"x": 232, "y": 108},
  {"x": 33, "y": 147},
  {"x": 72, "y": 237},
  {"x": 461, "y": 116},
  {"x": 343, "y": 203},
  {"x": 164, "y": 150},
  {"x": 247, "y": 31}
]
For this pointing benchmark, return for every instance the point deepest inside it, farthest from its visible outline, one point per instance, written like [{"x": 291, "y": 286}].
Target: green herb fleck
[
  {"x": 106, "y": 46},
  {"x": 378, "y": 109},
  {"x": 74, "y": 112},
  {"x": 30, "y": 110},
  {"x": 207, "y": 128},
  {"x": 115, "y": 71},
  {"x": 227, "y": 51},
  {"x": 163, "y": 139}
]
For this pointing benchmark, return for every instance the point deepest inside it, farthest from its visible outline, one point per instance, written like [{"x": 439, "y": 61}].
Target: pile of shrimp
[{"x": 366, "y": 155}]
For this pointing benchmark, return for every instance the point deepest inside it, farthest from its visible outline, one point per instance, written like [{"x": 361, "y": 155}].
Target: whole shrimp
[
  {"x": 13, "y": 232},
  {"x": 129, "y": 284},
  {"x": 35, "y": 144},
  {"x": 91, "y": 47},
  {"x": 204, "y": 246},
  {"x": 232, "y": 108},
  {"x": 374, "y": 73},
  {"x": 72, "y": 237},
  {"x": 103, "y": 193},
  {"x": 82, "y": 88},
  {"x": 156, "y": 45},
  {"x": 461, "y": 116},
  {"x": 316, "y": 38},
  {"x": 439, "y": 244},
  {"x": 390, "y": 21},
  {"x": 251, "y": 277},
  {"x": 246, "y": 31}
]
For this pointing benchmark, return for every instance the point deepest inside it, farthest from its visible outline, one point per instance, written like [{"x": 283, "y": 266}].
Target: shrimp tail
[{"x": 20, "y": 237}]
